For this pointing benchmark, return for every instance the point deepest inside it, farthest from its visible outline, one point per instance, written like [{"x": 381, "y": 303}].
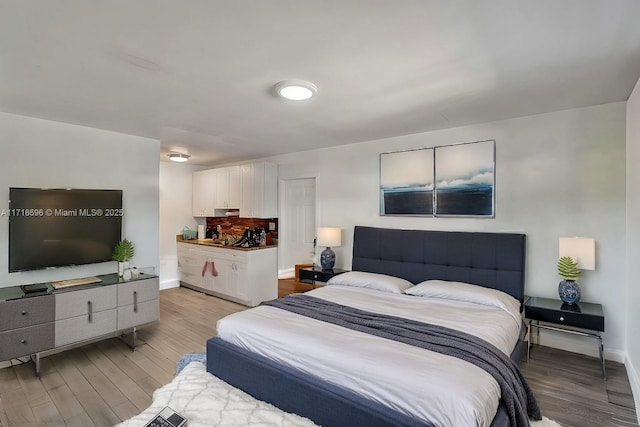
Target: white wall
[
  {"x": 633, "y": 242},
  {"x": 41, "y": 153},
  {"x": 175, "y": 213},
  {"x": 557, "y": 174}
]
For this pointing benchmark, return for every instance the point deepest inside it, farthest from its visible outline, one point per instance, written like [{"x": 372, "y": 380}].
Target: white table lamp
[{"x": 329, "y": 237}]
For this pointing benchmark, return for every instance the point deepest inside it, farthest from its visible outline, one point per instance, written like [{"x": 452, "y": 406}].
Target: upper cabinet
[
  {"x": 259, "y": 190},
  {"x": 228, "y": 187},
  {"x": 204, "y": 193},
  {"x": 251, "y": 188}
]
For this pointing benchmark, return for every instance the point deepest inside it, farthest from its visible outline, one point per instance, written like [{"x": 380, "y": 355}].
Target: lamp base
[
  {"x": 569, "y": 292},
  {"x": 327, "y": 259}
]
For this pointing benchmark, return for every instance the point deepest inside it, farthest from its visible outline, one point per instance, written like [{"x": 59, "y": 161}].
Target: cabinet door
[
  {"x": 246, "y": 206},
  {"x": 238, "y": 279},
  {"x": 204, "y": 193},
  {"x": 259, "y": 190},
  {"x": 235, "y": 187},
  {"x": 222, "y": 188}
]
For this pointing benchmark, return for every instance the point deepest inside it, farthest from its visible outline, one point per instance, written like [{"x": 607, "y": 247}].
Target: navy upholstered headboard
[{"x": 493, "y": 260}]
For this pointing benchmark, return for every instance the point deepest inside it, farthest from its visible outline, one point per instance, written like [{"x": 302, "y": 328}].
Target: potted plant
[
  {"x": 569, "y": 289},
  {"x": 122, "y": 253}
]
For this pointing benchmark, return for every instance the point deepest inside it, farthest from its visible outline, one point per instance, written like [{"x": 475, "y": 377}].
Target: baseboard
[
  {"x": 287, "y": 273},
  {"x": 634, "y": 380},
  {"x": 173, "y": 283}
]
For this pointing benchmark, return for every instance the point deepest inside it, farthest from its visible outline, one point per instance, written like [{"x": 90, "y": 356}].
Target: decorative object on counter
[
  {"x": 122, "y": 253},
  {"x": 576, "y": 253},
  {"x": 328, "y": 237},
  {"x": 189, "y": 234},
  {"x": 201, "y": 234}
]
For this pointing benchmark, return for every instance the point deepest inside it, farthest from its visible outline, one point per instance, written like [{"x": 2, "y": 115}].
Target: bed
[{"x": 336, "y": 376}]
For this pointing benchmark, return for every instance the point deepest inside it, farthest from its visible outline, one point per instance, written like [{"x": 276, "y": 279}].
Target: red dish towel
[{"x": 211, "y": 267}]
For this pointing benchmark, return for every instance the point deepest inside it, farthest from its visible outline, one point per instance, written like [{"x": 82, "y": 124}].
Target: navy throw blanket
[{"x": 516, "y": 394}]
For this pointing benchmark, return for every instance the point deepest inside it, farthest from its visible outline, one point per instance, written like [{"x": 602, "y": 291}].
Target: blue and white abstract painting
[
  {"x": 465, "y": 179},
  {"x": 406, "y": 182}
]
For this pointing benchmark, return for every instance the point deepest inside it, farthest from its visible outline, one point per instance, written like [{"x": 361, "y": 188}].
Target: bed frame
[{"x": 494, "y": 260}]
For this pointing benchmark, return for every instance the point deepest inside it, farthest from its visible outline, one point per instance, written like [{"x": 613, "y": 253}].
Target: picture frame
[
  {"x": 406, "y": 182},
  {"x": 465, "y": 179},
  {"x": 443, "y": 181}
]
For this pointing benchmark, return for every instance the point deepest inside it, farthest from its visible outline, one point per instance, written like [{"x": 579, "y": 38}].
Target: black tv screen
[{"x": 61, "y": 227}]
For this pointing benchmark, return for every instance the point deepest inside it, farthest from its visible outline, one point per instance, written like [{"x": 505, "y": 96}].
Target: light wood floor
[{"x": 103, "y": 383}]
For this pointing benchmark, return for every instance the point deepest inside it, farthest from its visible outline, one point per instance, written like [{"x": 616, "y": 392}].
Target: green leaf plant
[
  {"x": 123, "y": 251},
  {"x": 568, "y": 268}
]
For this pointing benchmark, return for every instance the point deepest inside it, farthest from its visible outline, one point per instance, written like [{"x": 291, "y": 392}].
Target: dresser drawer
[
  {"x": 80, "y": 328},
  {"x": 578, "y": 320},
  {"x": 146, "y": 312},
  {"x": 26, "y": 312},
  {"x": 76, "y": 303},
  {"x": 138, "y": 290},
  {"x": 26, "y": 341}
]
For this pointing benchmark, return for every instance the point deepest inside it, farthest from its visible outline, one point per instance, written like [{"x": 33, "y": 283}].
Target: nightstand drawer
[
  {"x": 578, "y": 320},
  {"x": 318, "y": 275}
]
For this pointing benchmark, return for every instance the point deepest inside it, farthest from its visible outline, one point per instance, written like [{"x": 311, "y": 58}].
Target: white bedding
[{"x": 427, "y": 385}]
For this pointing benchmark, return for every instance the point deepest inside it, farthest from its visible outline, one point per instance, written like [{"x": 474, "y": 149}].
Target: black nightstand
[
  {"x": 317, "y": 274},
  {"x": 558, "y": 316}
]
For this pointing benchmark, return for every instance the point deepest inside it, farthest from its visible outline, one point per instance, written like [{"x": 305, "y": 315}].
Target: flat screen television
[{"x": 62, "y": 227}]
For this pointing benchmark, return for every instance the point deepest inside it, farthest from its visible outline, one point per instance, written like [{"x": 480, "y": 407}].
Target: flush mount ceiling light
[
  {"x": 295, "y": 90},
  {"x": 178, "y": 157}
]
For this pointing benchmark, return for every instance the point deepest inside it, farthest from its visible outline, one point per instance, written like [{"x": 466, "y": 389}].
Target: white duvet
[{"x": 430, "y": 386}]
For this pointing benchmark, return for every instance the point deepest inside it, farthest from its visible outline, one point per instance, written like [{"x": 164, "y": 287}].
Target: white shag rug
[{"x": 206, "y": 401}]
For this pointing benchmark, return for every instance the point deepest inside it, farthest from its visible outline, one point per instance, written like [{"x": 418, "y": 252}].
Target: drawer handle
[
  {"x": 23, "y": 341},
  {"x": 90, "y": 311},
  {"x": 135, "y": 301},
  {"x": 561, "y": 319},
  {"x": 24, "y": 313}
]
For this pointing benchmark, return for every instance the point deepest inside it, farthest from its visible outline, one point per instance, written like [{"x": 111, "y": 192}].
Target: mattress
[{"x": 419, "y": 383}]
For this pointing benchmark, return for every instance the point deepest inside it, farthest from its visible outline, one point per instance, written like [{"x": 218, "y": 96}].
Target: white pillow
[
  {"x": 380, "y": 282},
  {"x": 467, "y": 292}
]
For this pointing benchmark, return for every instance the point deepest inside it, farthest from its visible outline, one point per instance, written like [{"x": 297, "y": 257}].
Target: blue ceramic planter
[{"x": 569, "y": 291}]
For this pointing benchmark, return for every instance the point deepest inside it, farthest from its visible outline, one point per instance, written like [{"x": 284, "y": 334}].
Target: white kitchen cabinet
[
  {"x": 228, "y": 187},
  {"x": 204, "y": 193},
  {"x": 244, "y": 276},
  {"x": 259, "y": 190}
]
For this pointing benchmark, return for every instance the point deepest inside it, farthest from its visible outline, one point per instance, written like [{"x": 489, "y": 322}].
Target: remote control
[{"x": 167, "y": 418}]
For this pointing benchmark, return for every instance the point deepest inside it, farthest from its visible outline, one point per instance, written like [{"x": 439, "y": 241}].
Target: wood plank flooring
[{"x": 103, "y": 383}]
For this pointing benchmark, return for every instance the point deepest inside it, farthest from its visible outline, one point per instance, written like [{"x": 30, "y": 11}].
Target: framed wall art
[
  {"x": 465, "y": 179},
  {"x": 451, "y": 180},
  {"x": 406, "y": 182}
]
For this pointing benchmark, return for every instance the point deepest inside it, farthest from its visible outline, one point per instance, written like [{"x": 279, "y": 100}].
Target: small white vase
[{"x": 121, "y": 267}]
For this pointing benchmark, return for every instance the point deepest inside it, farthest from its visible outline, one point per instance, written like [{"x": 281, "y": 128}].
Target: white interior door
[{"x": 298, "y": 222}]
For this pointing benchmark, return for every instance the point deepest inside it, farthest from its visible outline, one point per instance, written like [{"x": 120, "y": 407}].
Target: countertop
[{"x": 210, "y": 242}]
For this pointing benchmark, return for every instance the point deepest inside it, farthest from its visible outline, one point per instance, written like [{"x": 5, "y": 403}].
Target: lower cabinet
[{"x": 248, "y": 277}]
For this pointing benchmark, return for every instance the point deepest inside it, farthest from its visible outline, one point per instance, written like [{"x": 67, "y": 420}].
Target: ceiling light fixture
[
  {"x": 178, "y": 157},
  {"x": 295, "y": 90}
]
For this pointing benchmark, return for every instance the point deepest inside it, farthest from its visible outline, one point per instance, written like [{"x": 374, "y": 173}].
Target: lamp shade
[
  {"x": 329, "y": 236},
  {"x": 581, "y": 249}
]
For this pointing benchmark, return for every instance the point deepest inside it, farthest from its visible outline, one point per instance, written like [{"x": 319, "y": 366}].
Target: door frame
[{"x": 289, "y": 272}]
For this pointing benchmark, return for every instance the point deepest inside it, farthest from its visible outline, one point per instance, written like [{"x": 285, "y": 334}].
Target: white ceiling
[{"x": 198, "y": 74}]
